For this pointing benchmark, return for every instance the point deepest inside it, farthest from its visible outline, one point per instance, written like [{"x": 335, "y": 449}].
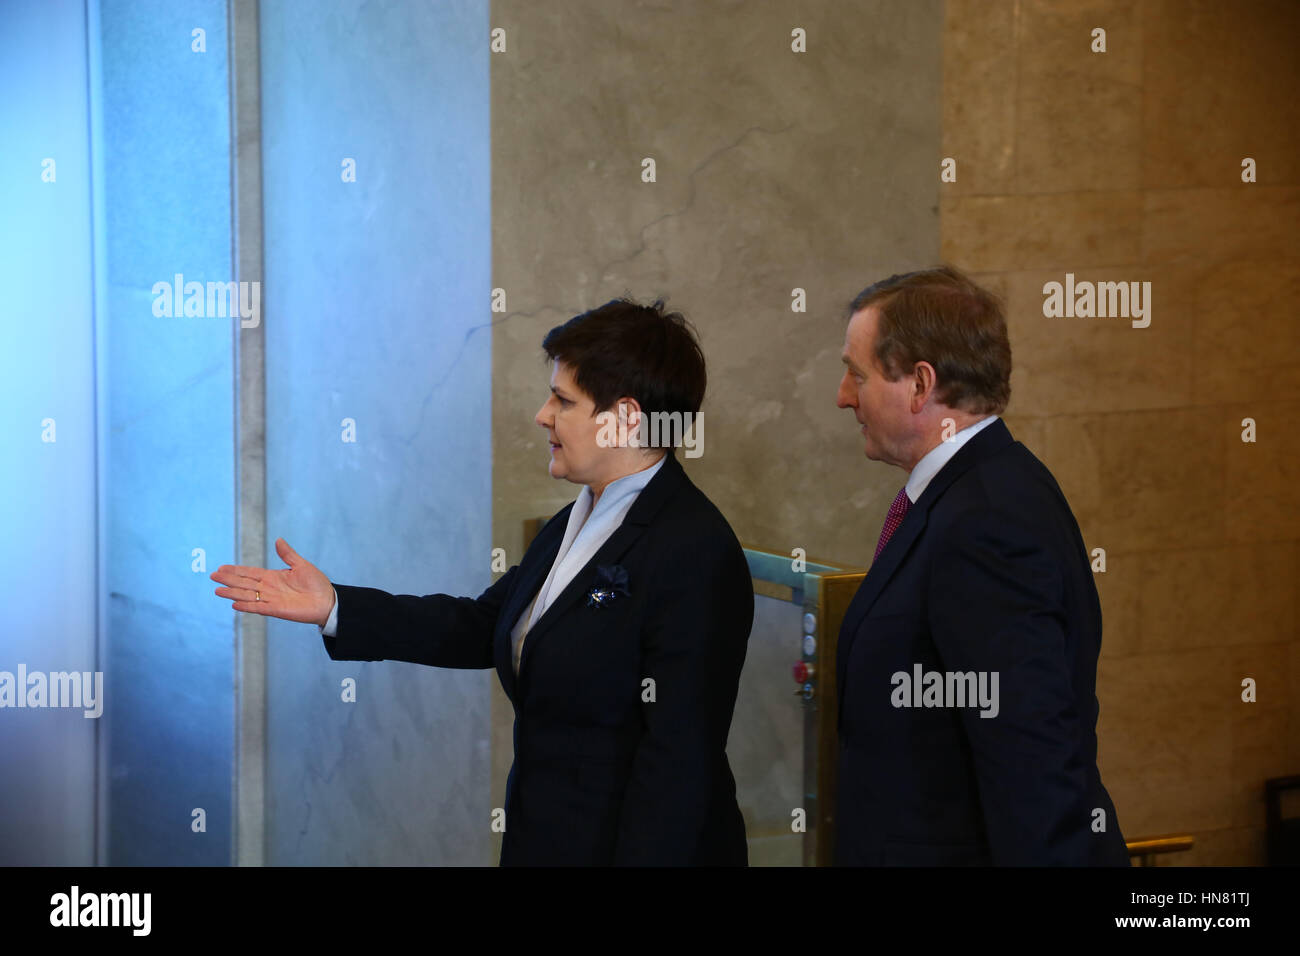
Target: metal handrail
[{"x": 1146, "y": 849}]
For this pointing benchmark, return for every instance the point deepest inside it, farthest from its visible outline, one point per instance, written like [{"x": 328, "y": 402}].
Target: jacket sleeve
[
  {"x": 435, "y": 629},
  {"x": 693, "y": 648},
  {"x": 996, "y": 605}
]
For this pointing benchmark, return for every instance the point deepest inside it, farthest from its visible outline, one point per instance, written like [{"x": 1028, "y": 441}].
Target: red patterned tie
[{"x": 895, "y": 517}]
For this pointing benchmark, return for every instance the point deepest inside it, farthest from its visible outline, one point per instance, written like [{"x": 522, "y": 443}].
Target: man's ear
[{"x": 924, "y": 380}]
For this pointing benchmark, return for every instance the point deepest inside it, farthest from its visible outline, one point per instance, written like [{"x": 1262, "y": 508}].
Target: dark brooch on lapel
[{"x": 611, "y": 581}]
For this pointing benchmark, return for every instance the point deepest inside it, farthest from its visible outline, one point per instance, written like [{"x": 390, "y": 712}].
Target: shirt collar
[
  {"x": 938, "y": 456},
  {"x": 617, "y": 491}
]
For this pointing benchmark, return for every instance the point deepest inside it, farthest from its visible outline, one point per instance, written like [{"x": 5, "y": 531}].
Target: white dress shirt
[
  {"x": 586, "y": 531},
  {"x": 938, "y": 456}
]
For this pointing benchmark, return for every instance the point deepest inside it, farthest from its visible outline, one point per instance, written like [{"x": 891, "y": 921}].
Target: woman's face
[{"x": 569, "y": 417}]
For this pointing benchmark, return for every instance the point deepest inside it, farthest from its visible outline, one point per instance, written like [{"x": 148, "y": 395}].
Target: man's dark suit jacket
[
  {"x": 599, "y": 776},
  {"x": 987, "y": 572}
]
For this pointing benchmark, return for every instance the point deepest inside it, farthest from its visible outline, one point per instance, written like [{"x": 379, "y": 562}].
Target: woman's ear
[{"x": 631, "y": 419}]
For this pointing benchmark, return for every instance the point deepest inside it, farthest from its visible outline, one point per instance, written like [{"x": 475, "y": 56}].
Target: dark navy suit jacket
[
  {"x": 601, "y": 776},
  {"x": 987, "y": 572}
]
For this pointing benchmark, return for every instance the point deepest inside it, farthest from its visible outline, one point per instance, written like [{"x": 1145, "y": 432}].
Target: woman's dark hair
[{"x": 625, "y": 348}]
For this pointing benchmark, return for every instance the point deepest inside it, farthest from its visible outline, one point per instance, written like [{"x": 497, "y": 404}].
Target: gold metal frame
[
  {"x": 824, "y": 590},
  {"x": 1147, "y": 848}
]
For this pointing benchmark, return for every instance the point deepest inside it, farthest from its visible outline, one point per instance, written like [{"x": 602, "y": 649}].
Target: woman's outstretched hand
[{"x": 299, "y": 592}]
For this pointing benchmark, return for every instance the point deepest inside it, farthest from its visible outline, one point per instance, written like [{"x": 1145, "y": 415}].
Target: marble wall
[
  {"x": 48, "y": 554},
  {"x": 1127, "y": 165},
  {"x": 161, "y": 130},
  {"x": 376, "y": 314}
]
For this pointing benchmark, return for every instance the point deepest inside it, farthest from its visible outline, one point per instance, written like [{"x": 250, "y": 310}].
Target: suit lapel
[
  {"x": 878, "y": 575},
  {"x": 648, "y": 503},
  {"x": 991, "y": 439},
  {"x": 533, "y": 569}
]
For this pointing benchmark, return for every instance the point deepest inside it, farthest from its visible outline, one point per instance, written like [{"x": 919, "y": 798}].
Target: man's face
[
  {"x": 569, "y": 417},
  {"x": 882, "y": 408}
]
